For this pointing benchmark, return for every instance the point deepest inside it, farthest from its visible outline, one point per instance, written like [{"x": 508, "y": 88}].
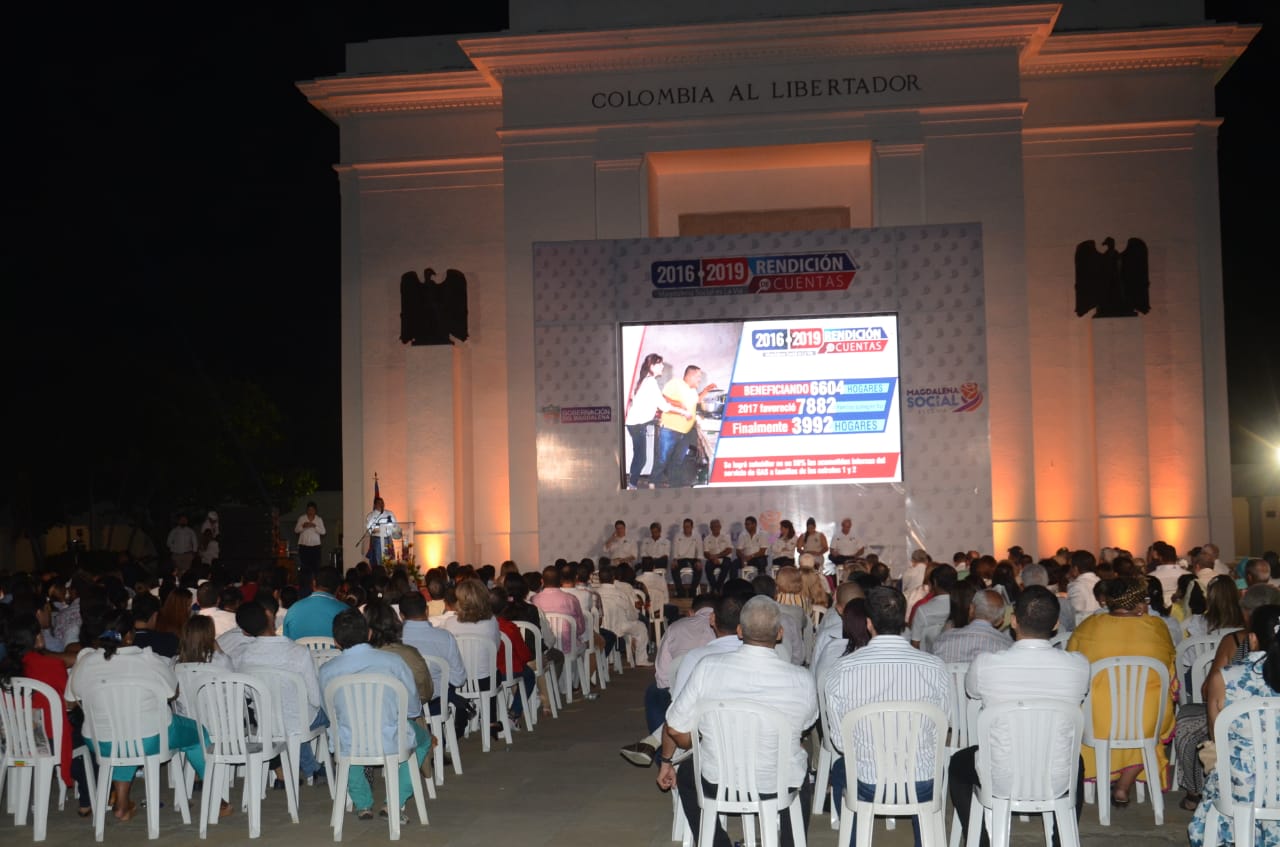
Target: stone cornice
[
  {"x": 1016, "y": 27},
  {"x": 342, "y": 95},
  {"x": 1212, "y": 47}
]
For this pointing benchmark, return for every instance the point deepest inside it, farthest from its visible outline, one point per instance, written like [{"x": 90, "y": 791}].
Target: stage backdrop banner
[{"x": 842, "y": 374}]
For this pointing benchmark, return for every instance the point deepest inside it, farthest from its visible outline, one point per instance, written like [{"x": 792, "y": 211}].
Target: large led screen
[{"x": 761, "y": 402}]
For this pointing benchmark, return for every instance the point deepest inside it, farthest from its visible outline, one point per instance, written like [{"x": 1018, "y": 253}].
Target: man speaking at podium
[{"x": 381, "y": 529}]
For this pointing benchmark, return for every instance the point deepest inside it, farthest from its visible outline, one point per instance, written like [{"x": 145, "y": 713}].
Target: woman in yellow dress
[{"x": 1126, "y": 630}]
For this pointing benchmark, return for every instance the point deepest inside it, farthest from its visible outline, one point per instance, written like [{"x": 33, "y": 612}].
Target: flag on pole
[{"x": 377, "y": 495}]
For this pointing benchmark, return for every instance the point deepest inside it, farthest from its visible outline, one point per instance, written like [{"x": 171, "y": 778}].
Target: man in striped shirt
[
  {"x": 887, "y": 669},
  {"x": 986, "y": 613}
]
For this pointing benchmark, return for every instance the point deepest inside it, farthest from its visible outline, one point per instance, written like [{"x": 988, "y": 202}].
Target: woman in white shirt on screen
[{"x": 643, "y": 406}]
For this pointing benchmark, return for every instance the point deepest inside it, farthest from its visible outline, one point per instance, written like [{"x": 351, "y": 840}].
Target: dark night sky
[{"x": 184, "y": 205}]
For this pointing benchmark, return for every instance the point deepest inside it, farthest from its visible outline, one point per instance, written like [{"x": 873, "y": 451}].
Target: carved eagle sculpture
[
  {"x": 433, "y": 312},
  {"x": 1114, "y": 283}
]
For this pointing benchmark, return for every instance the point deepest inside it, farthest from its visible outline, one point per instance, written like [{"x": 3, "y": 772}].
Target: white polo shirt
[
  {"x": 687, "y": 546},
  {"x": 756, "y": 674}
]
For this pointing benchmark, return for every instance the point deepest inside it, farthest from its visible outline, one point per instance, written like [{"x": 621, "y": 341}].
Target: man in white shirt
[
  {"x": 1080, "y": 591},
  {"x": 717, "y": 549},
  {"x": 1167, "y": 568},
  {"x": 310, "y": 530},
  {"x": 621, "y": 616},
  {"x": 986, "y": 612},
  {"x": 845, "y": 546},
  {"x": 219, "y": 605},
  {"x": 687, "y": 552},
  {"x": 724, "y": 624},
  {"x": 379, "y": 527},
  {"x": 1031, "y": 666},
  {"x": 753, "y": 547},
  {"x": 1215, "y": 555},
  {"x": 183, "y": 544},
  {"x": 887, "y": 669},
  {"x": 576, "y": 580},
  {"x": 619, "y": 547},
  {"x": 928, "y": 619},
  {"x": 655, "y": 551},
  {"x": 262, "y": 648},
  {"x": 752, "y": 672}
]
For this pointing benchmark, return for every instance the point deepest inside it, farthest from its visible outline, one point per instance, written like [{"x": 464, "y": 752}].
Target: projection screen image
[{"x": 761, "y": 402}]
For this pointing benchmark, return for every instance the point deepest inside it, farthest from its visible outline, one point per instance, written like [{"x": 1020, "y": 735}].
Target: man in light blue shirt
[
  {"x": 312, "y": 616},
  {"x": 430, "y": 640},
  {"x": 351, "y": 632}
]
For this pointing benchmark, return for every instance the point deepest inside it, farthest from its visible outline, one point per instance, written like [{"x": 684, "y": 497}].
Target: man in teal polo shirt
[{"x": 313, "y": 615}]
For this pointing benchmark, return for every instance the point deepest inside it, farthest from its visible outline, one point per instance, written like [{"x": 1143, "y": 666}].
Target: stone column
[{"x": 1120, "y": 434}]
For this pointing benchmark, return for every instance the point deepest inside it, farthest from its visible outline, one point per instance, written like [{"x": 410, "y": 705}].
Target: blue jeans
[
  {"x": 307, "y": 764},
  {"x": 671, "y": 449},
  {"x": 867, "y": 792},
  {"x": 656, "y": 702},
  {"x": 639, "y": 452}
]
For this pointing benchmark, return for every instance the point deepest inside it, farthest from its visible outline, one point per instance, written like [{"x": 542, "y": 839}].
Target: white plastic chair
[
  {"x": 123, "y": 712},
  {"x": 658, "y": 618},
  {"x": 1040, "y": 777},
  {"x": 442, "y": 726},
  {"x": 541, "y": 668},
  {"x": 354, "y": 702},
  {"x": 734, "y": 732},
  {"x": 480, "y": 658},
  {"x": 964, "y": 727},
  {"x": 277, "y": 680},
  {"x": 1199, "y": 673},
  {"x": 322, "y": 649},
  {"x": 31, "y": 749},
  {"x": 898, "y": 733},
  {"x": 602, "y": 661},
  {"x": 826, "y": 758},
  {"x": 1187, "y": 655},
  {"x": 1256, "y": 720},
  {"x": 1127, "y": 679},
  {"x": 238, "y": 726},
  {"x": 561, "y": 624},
  {"x": 514, "y": 683}
]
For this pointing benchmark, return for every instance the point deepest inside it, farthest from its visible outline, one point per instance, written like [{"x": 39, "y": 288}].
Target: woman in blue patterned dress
[{"x": 1259, "y": 676}]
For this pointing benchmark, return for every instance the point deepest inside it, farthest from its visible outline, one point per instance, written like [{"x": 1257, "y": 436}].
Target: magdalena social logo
[{"x": 964, "y": 397}]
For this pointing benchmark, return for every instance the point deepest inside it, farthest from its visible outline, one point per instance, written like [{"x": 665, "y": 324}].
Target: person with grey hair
[
  {"x": 1037, "y": 574},
  {"x": 1257, "y": 572},
  {"x": 982, "y": 635},
  {"x": 752, "y": 672}
]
